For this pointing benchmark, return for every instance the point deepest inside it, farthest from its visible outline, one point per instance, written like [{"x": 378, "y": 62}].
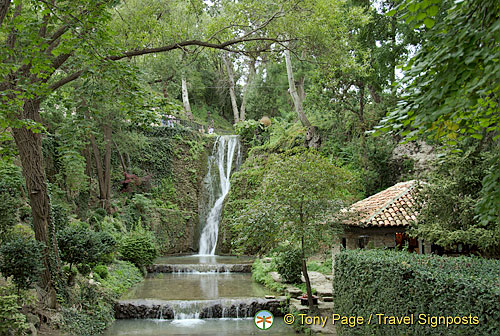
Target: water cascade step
[
  {"x": 200, "y": 268},
  {"x": 197, "y": 309},
  {"x": 220, "y": 165}
]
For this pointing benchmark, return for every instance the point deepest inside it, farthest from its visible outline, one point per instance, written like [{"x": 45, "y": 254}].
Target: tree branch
[
  {"x": 4, "y": 9},
  {"x": 11, "y": 39},
  {"x": 66, "y": 80},
  {"x": 180, "y": 45}
]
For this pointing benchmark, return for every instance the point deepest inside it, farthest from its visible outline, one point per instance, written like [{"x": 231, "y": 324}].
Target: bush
[
  {"x": 91, "y": 312},
  {"x": 89, "y": 309},
  {"x": 289, "y": 265},
  {"x": 80, "y": 245},
  {"x": 20, "y": 257},
  {"x": 401, "y": 284},
  {"x": 11, "y": 183},
  {"x": 101, "y": 271},
  {"x": 11, "y": 318},
  {"x": 139, "y": 248}
]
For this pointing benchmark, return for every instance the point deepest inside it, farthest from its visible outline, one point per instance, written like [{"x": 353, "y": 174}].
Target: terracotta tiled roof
[{"x": 394, "y": 206}]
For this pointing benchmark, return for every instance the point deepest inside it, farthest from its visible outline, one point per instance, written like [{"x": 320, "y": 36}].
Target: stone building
[{"x": 381, "y": 220}]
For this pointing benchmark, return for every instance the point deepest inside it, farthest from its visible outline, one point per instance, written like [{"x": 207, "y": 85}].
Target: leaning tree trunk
[
  {"x": 246, "y": 88},
  {"x": 29, "y": 145},
  {"x": 297, "y": 99},
  {"x": 230, "y": 75},
  {"x": 185, "y": 98},
  {"x": 306, "y": 278}
]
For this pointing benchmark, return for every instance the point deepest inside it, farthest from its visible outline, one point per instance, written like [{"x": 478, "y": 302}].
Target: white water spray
[{"x": 218, "y": 181}]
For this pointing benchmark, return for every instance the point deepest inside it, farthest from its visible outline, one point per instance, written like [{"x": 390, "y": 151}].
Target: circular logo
[{"x": 263, "y": 319}]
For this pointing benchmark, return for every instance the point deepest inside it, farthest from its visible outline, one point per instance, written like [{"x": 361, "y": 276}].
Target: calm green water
[
  {"x": 197, "y": 286},
  {"x": 196, "y": 327}
]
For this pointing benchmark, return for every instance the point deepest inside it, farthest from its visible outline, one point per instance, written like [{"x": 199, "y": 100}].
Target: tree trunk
[
  {"x": 185, "y": 98},
  {"x": 29, "y": 145},
  {"x": 107, "y": 167},
  {"x": 230, "y": 75},
  {"x": 306, "y": 277},
  {"x": 251, "y": 76},
  {"x": 120, "y": 156},
  {"x": 362, "y": 125},
  {"x": 100, "y": 170},
  {"x": 297, "y": 101},
  {"x": 87, "y": 153}
]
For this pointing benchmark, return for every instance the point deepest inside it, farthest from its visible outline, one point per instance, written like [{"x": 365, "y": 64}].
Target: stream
[{"x": 203, "y": 294}]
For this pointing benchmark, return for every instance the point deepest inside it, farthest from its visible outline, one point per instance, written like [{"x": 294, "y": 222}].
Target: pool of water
[
  {"x": 202, "y": 259},
  {"x": 196, "y": 327},
  {"x": 197, "y": 286}
]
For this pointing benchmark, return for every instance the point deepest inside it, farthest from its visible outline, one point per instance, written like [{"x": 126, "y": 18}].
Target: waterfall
[{"x": 217, "y": 181}]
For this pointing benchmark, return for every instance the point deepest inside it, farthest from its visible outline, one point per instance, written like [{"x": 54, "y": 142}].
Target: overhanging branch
[
  {"x": 180, "y": 45},
  {"x": 66, "y": 80}
]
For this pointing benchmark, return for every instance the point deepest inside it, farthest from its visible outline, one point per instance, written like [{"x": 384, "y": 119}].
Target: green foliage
[
  {"x": 20, "y": 257},
  {"x": 298, "y": 198},
  {"x": 450, "y": 202},
  {"x": 101, "y": 271},
  {"x": 92, "y": 312},
  {"x": 452, "y": 85},
  {"x": 399, "y": 283},
  {"x": 11, "y": 184},
  {"x": 455, "y": 96},
  {"x": 59, "y": 215},
  {"x": 122, "y": 275},
  {"x": 324, "y": 267},
  {"x": 12, "y": 321},
  {"x": 80, "y": 245},
  {"x": 247, "y": 130},
  {"x": 289, "y": 264},
  {"x": 138, "y": 209},
  {"x": 260, "y": 272},
  {"x": 89, "y": 308},
  {"x": 139, "y": 248}
]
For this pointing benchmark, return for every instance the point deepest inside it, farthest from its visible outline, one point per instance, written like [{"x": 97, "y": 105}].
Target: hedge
[{"x": 405, "y": 284}]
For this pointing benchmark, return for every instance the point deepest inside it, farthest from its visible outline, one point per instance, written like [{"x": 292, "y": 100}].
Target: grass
[
  {"x": 324, "y": 267},
  {"x": 261, "y": 274}
]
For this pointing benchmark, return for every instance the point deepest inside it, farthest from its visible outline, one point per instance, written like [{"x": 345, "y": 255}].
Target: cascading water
[{"x": 220, "y": 164}]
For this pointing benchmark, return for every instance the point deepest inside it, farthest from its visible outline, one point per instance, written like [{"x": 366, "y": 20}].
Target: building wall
[{"x": 375, "y": 236}]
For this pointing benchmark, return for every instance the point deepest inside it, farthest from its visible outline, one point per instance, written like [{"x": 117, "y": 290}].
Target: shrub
[
  {"x": 101, "y": 271},
  {"x": 246, "y": 130},
  {"x": 289, "y": 265},
  {"x": 91, "y": 312},
  {"x": 11, "y": 182},
  {"x": 401, "y": 284},
  {"x": 20, "y": 257},
  {"x": 139, "y": 248},
  {"x": 11, "y": 319},
  {"x": 80, "y": 245}
]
